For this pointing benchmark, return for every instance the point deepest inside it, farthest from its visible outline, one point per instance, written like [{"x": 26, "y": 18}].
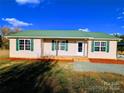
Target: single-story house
[{"x": 35, "y": 44}]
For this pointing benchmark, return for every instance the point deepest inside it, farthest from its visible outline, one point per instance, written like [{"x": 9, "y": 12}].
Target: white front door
[{"x": 80, "y": 48}]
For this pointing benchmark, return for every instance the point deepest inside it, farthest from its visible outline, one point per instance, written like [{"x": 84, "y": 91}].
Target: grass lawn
[
  {"x": 52, "y": 77},
  {"x": 4, "y": 53}
]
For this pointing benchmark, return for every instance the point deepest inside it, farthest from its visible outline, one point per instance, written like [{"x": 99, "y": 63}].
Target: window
[
  {"x": 100, "y": 46},
  {"x": 63, "y": 45},
  {"x": 25, "y": 44},
  {"x": 103, "y": 46},
  {"x": 21, "y": 44},
  {"x": 54, "y": 45},
  {"x": 59, "y": 45}
]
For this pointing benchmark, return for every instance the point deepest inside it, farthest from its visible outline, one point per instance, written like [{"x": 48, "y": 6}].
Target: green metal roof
[{"x": 61, "y": 34}]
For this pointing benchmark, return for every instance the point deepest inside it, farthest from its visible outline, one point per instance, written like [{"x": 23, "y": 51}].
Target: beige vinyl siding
[
  {"x": 36, "y": 53},
  {"x": 105, "y": 55},
  {"x": 43, "y": 47}
]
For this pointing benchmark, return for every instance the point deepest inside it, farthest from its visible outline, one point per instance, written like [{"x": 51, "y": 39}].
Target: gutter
[
  {"x": 117, "y": 39},
  {"x": 37, "y": 37}
]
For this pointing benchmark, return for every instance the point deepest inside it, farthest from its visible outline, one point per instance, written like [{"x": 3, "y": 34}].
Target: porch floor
[{"x": 67, "y": 58}]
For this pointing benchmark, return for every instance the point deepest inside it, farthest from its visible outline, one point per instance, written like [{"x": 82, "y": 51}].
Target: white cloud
[
  {"x": 123, "y": 13},
  {"x": 120, "y": 12},
  {"x": 84, "y": 29},
  {"x": 120, "y": 17},
  {"x": 16, "y": 23},
  {"x": 122, "y": 26},
  {"x": 22, "y": 2}
]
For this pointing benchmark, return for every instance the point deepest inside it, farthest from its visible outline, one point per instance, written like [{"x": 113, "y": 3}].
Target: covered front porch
[{"x": 60, "y": 48}]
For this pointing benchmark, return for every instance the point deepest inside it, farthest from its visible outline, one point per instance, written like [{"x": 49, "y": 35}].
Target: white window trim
[
  {"x": 100, "y": 46},
  {"x": 24, "y": 44}
]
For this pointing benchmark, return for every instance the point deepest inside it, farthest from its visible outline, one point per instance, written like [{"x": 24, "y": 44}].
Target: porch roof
[{"x": 62, "y": 34}]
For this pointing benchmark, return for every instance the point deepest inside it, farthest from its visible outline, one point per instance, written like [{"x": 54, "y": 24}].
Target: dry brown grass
[
  {"x": 50, "y": 77},
  {"x": 4, "y": 53},
  {"x": 120, "y": 52}
]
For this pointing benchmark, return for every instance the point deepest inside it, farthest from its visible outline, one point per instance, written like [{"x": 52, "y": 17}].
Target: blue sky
[{"x": 96, "y": 15}]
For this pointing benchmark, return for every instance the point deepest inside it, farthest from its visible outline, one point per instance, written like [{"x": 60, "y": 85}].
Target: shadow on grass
[
  {"x": 48, "y": 77},
  {"x": 23, "y": 78}
]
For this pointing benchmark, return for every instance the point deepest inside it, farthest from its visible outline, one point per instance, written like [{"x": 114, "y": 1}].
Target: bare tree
[
  {"x": 4, "y": 42},
  {"x": 16, "y": 30},
  {"x": 5, "y": 31}
]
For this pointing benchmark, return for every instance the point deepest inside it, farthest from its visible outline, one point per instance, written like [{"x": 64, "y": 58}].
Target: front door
[{"x": 80, "y": 48}]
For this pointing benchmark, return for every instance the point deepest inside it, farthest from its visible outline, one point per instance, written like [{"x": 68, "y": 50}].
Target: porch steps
[{"x": 81, "y": 59}]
